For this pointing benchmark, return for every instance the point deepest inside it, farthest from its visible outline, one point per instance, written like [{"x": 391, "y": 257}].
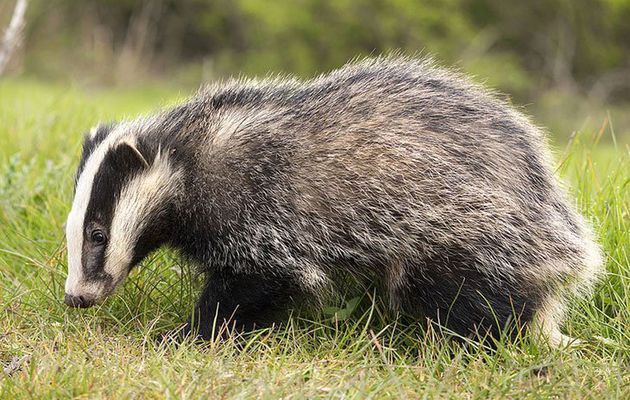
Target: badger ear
[{"x": 128, "y": 155}]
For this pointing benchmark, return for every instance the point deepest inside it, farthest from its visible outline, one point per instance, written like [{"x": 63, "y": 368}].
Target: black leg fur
[
  {"x": 466, "y": 301},
  {"x": 242, "y": 302}
]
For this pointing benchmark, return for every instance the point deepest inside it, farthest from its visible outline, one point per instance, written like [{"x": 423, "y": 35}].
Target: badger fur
[{"x": 391, "y": 171}]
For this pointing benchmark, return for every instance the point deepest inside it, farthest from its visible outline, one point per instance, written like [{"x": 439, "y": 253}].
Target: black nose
[{"x": 77, "y": 301}]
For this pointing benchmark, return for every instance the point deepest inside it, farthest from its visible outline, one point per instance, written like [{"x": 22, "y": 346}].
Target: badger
[{"x": 391, "y": 172}]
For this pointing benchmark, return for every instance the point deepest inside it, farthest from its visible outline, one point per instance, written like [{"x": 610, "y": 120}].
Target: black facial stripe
[
  {"x": 118, "y": 168},
  {"x": 90, "y": 143}
]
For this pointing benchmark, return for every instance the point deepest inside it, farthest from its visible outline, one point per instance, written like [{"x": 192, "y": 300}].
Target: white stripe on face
[
  {"x": 141, "y": 197},
  {"x": 75, "y": 282}
]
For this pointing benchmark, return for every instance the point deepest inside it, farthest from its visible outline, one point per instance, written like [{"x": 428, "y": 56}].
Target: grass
[{"x": 50, "y": 351}]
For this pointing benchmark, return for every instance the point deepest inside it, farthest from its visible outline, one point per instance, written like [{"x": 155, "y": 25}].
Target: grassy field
[{"x": 50, "y": 351}]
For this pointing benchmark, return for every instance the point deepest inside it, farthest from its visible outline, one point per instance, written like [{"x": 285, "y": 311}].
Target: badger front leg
[{"x": 242, "y": 302}]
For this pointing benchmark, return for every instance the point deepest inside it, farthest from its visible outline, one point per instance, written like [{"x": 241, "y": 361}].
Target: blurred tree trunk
[
  {"x": 139, "y": 46},
  {"x": 13, "y": 35}
]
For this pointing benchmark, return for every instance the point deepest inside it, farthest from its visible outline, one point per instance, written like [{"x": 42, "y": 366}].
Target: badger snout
[{"x": 78, "y": 301}]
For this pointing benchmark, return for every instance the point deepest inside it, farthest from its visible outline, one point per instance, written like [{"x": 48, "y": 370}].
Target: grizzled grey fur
[{"x": 392, "y": 171}]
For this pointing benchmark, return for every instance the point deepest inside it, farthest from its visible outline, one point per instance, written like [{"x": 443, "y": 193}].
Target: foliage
[{"x": 529, "y": 45}]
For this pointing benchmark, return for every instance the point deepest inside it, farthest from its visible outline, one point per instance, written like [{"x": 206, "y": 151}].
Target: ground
[{"x": 50, "y": 351}]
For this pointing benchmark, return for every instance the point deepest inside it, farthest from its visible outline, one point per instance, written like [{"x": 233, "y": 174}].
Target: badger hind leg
[
  {"x": 472, "y": 304},
  {"x": 547, "y": 321},
  {"x": 582, "y": 280},
  {"x": 464, "y": 300}
]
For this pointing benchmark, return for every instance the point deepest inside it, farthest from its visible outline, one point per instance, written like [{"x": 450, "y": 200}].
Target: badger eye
[{"x": 98, "y": 236}]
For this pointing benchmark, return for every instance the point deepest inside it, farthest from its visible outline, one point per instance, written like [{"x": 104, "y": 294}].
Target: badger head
[{"x": 122, "y": 210}]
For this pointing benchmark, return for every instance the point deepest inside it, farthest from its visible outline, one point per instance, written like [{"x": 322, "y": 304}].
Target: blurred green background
[{"x": 567, "y": 62}]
